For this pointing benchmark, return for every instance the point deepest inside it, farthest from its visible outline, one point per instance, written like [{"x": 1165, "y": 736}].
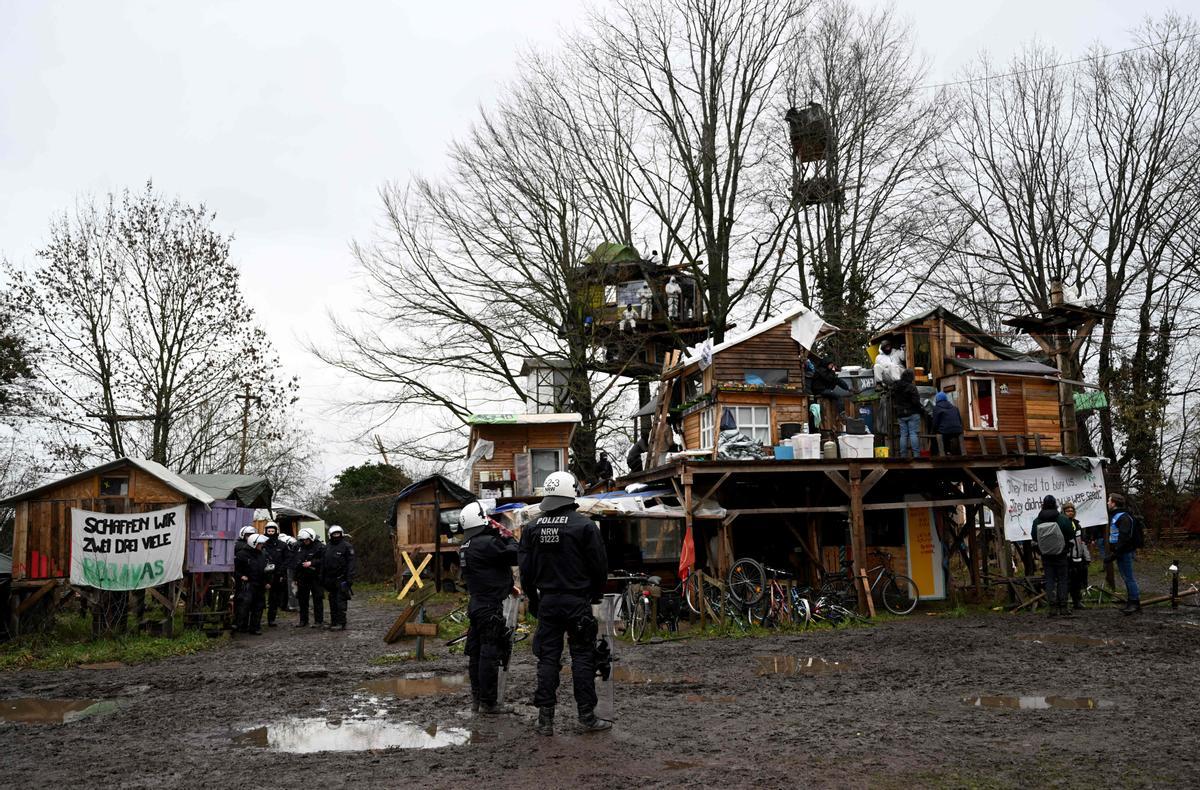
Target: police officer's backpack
[{"x": 1049, "y": 538}]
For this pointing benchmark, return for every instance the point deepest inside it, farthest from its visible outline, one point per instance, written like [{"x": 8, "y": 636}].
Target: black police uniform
[
  {"x": 252, "y": 565},
  {"x": 563, "y": 571},
  {"x": 276, "y": 552},
  {"x": 337, "y": 574},
  {"x": 308, "y": 581},
  {"x": 487, "y": 560}
]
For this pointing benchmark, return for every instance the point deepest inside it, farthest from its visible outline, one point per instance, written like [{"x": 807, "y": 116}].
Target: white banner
[
  {"x": 1023, "y": 490},
  {"x": 127, "y": 551}
]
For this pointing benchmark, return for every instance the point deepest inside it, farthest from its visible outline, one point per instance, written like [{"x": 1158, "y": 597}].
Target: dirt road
[{"x": 877, "y": 706}]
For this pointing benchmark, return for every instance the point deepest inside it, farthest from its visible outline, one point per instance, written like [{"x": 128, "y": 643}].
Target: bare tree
[
  {"x": 1088, "y": 175},
  {"x": 855, "y": 249},
  {"x": 702, "y": 79},
  {"x": 470, "y": 276},
  {"x": 144, "y": 337}
]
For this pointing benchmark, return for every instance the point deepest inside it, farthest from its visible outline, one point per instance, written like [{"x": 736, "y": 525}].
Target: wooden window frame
[
  {"x": 768, "y": 424},
  {"x": 708, "y": 435},
  {"x": 995, "y": 426},
  {"x": 532, "y": 469}
]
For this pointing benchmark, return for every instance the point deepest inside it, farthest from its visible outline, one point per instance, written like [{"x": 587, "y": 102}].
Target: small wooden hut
[
  {"x": 42, "y": 529},
  {"x": 419, "y": 515},
  {"x": 514, "y": 453}
]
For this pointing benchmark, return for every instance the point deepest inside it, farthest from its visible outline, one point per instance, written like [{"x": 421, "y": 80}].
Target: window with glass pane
[
  {"x": 544, "y": 463},
  {"x": 754, "y": 421},
  {"x": 983, "y": 403},
  {"x": 706, "y": 429},
  {"x": 922, "y": 349}
]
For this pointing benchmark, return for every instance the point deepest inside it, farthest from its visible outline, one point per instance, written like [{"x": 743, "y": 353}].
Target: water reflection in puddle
[
  {"x": 1069, "y": 639},
  {"x": 1038, "y": 703},
  {"x": 792, "y": 665},
  {"x": 350, "y": 735},
  {"x": 423, "y": 684},
  {"x": 52, "y": 711}
]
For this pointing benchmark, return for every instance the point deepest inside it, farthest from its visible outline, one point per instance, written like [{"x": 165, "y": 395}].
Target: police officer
[
  {"x": 239, "y": 547},
  {"x": 337, "y": 574},
  {"x": 563, "y": 571},
  {"x": 250, "y": 567},
  {"x": 308, "y": 578},
  {"x": 487, "y": 557},
  {"x": 276, "y": 552}
]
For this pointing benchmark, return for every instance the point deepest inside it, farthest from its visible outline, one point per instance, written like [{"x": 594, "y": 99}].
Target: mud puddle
[
  {"x": 302, "y": 735},
  {"x": 422, "y": 684},
  {"x": 641, "y": 677},
  {"x": 1072, "y": 640},
  {"x": 790, "y": 666},
  {"x": 52, "y": 711},
  {"x": 1014, "y": 702}
]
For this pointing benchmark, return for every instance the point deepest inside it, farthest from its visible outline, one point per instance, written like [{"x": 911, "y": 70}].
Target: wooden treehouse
[
  {"x": 1009, "y": 401},
  {"x": 512, "y": 454},
  {"x": 217, "y": 507}
]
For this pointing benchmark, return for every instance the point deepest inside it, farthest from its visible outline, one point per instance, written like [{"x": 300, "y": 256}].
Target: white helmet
[
  {"x": 336, "y": 530},
  {"x": 559, "y": 490},
  {"x": 271, "y": 525},
  {"x": 307, "y": 534},
  {"x": 247, "y": 530},
  {"x": 472, "y": 518},
  {"x": 286, "y": 538},
  {"x": 256, "y": 540}
]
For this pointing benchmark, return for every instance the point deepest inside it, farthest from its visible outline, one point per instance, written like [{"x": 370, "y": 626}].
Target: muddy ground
[{"x": 889, "y": 713}]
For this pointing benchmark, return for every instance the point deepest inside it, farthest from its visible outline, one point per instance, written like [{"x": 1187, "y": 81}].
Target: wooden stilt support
[{"x": 858, "y": 532}]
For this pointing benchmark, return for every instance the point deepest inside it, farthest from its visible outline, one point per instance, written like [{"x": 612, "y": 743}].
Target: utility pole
[
  {"x": 246, "y": 400},
  {"x": 382, "y": 450}
]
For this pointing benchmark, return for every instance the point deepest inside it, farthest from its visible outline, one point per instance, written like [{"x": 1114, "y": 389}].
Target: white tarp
[
  {"x": 127, "y": 551},
  {"x": 806, "y": 327},
  {"x": 1023, "y": 491}
]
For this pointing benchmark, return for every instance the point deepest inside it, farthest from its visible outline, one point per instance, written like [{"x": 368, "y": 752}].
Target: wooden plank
[
  {"x": 41, "y": 592},
  {"x": 858, "y": 533},
  {"x": 21, "y": 541},
  {"x": 420, "y": 629},
  {"x": 837, "y": 479}
]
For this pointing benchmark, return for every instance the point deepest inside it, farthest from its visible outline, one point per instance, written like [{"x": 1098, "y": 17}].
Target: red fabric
[{"x": 687, "y": 555}]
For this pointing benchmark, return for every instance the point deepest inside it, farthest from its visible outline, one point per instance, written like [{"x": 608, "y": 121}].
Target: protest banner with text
[
  {"x": 127, "y": 551},
  {"x": 1024, "y": 489}
]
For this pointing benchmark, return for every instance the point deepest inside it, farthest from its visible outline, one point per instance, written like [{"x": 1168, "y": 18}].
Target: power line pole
[{"x": 246, "y": 399}]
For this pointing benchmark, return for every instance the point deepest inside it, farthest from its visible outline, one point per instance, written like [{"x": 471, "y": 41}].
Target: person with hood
[
  {"x": 907, "y": 403},
  {"x": 276, "y": 552},
  {"x": 1053, "y": 534},
  {"x": 889, "y": 364},
  {"x": 337, "y": 575},
  {"x": 563, "y": 571},
  {"x": 827, "y": 384},
  {"x": 1079, "y": 556},
  {"x": 1120, "y": 545},
  {"x": 250, "y": 570},
  {"x": 947, "y": 422},
  {"x": 308, "y": 578},
  {"x": 487, "y": 557}
]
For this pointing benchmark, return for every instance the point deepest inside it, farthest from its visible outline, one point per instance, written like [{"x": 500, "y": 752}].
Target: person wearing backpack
[
  {"x": 1124, "y": 538},
  {"x": 1079, "y": 555},
  {"x": 1053, "y": 534}
]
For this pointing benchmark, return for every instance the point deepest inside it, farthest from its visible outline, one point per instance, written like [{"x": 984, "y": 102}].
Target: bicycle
[
  {"x": 897, "y": 592},
  {"x": 768, "y": 602},
  {"x": 635, "y": 607},
  {"x": 701, "y": 591}
]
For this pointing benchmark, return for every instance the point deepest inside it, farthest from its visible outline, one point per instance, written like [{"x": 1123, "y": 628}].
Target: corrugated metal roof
[
  {"x": 246, "y": 490},
  {"x": 150, "y": 467}
]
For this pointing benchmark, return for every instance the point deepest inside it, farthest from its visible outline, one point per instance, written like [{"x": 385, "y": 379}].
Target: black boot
[
  {"x": 474, "y": 704},
  {"x": 545, "y": 722},
  {"x": 1063, "y": 610},
  {"x": 592, "y": 724},
  {"x": 1133, "y": 607}
]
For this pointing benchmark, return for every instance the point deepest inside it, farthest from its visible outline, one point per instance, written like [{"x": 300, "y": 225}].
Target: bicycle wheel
[
  {"x": 801, "y": 611},
  {"x": 639, "y": 619},
  {"x": 900, "y": 595},
  {"x": 747, "y": 581}
]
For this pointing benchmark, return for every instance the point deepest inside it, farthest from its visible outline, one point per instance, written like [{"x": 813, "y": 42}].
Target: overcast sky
[{"x": 285, "y": 118}]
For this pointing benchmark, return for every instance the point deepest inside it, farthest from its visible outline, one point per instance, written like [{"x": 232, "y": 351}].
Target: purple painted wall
[{"x": 212, "y": 535}]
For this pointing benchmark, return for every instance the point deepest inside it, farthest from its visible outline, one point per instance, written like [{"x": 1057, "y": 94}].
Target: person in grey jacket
[{"x": 1078, "y": 558}]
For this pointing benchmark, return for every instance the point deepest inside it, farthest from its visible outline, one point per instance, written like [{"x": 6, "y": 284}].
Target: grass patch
[
  {"x": 69, "y": 644},
  {"x": 391, "y": 659}
]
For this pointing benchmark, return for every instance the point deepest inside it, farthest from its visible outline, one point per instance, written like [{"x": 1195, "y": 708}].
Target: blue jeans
[
  {"x": 909, "y": 426},
  {"x": 1125, "y": 566}
]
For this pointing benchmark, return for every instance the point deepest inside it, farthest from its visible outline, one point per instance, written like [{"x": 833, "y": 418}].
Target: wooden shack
[
  {"x": 514, "y": 453},
  {"x": 1009, "y": 401},
  {"x": 419, "y": 516},
  {"x": 759, "y": 376},
  {"x": 42, "y": 526}
]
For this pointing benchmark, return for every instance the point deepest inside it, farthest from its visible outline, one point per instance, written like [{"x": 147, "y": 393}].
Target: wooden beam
[
  {"x": 715, "y": 486},
  {"x": 838, "y": 480},
  {"x": 924, "y": 503},
  {"x": 784, "y": 511},
  {"x": 28, "y": 603},
  {"x": 872, "y": 479},
  {"x": 858, "y": 533}
]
